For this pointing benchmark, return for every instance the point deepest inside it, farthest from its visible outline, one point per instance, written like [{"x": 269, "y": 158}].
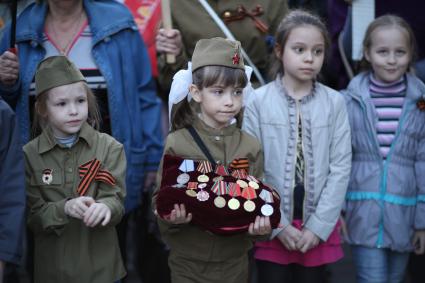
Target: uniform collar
[
  {"x": 47, "y": 140},
  {"x": 204, "y": 129}
]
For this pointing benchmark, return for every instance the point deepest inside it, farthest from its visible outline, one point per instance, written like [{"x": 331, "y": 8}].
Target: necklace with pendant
[{"x": 63, "y": 50}]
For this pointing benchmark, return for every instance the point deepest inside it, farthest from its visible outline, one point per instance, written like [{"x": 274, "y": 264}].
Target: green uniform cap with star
[
  {"x": 55, "y": 71},
  {"x": 217, "y": 51}
]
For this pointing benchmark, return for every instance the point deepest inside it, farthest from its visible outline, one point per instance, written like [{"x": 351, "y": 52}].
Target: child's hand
[
  {"x": 76, "y": 207},
  {"x": 96, "y": 212},
  {"x": 289, "y": 237},
  {"x": 307, "y": 241},
  {"x": 419, "y": 242},
  {"x": 178, "y": 215},
  {"x": 261, "y": 226}
]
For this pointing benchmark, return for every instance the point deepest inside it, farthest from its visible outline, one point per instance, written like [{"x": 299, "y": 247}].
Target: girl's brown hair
[
  {"x": 40, "y": 121},
  {"x": 184, "y": 112},
  {"x": 295, "y": 19},
  {"x": 387, "y": 21}
]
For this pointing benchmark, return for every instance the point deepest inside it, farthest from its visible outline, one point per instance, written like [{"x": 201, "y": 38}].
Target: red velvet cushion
[{"x": 224, "y": 221}]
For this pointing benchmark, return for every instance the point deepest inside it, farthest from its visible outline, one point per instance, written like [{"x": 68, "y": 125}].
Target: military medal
[
  {"x": 185, "y": 167},
  {"x": 267, "y": 210},
  {"x": 47, "y": 176},
  {"x": 253, "y": 179},
  {"x": 218, "y": 178},
  {"x": 204, "y": 167},
  {"x": 203, "y": 178},
  {"x": 191, "y": 187},
  {"x": 183, "y": 178},
  {"x": 202, "y": 186},
  {"x": 239, "y": 174},
  {"x": 221, "y": 170},
  {"x": 253, "y": 185},
  {"x": 202, "y": 195},
  {"x": 234, "y": 191},
  {"x": 267, "y": 196},
  {"x": 242, "y": 183},
  {"x": 249, "y": 193},
  {"x": 191, "y": 193},
  {"x": 219, "y": 188}
]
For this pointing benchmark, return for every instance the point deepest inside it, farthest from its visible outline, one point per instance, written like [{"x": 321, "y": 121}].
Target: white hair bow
[{"x": 182, "y": 81}]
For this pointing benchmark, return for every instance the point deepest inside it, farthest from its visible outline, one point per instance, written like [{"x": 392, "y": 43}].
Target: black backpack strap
[{"x": 201, "y": 144}]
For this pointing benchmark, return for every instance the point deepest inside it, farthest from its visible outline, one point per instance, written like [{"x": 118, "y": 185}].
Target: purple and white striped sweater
[{"x": 388, "y": 99}]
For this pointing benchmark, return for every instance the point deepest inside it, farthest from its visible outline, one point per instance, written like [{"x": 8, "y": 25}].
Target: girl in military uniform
[
  {"x": 304, "y": 129},
  {"x": 75, "y": 182},
  {"x": 216, "y": 94}
]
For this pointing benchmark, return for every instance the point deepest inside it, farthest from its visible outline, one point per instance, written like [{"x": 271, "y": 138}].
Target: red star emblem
[{"x": 236, "y": 59}]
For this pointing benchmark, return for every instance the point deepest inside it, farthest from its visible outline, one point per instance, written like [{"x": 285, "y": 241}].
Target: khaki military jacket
[
  {"x": 224, "y": 145},
  {"x": 195, "y": 23},
  {"x": 65, "y": 249}
]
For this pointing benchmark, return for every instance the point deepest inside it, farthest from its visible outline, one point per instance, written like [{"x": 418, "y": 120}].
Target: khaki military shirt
[
  {"x": 195, "y": 23},
  {"x": 65, "y": 249},
  {"x": 224, "y": 145}
]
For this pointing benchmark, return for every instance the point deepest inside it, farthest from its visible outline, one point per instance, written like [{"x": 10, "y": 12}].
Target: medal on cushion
[
  {"x": 242, "y": 184},
  {"x": 219, "y": 188},
  {"x": 234, "y": 191},
  {"x": 221, "y": 170},
  {"x": 202, "y": 195},
  {"x": 239, "y": 174},
  {"x": 267, "y": 196},
  {"x": 191, "y": 187},
  {"x": 204, "y": 167},
  {"x": 185, "y": 167},
  {"x": 249, "y": 193},
  {"x": 253, "y": 182}
]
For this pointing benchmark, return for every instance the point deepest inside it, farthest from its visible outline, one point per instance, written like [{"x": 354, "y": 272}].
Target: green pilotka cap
[
  {"x": 217, "y": 51},
  {"x": 55, "y": 71}
]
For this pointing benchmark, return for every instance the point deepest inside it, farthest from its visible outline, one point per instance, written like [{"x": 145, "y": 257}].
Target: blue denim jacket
[
  {"x": 385, "y": 199},
  {"x": 122, "y": 58}
]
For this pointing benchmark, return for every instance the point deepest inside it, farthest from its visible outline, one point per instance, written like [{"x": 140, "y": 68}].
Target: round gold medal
[
  {"x": 249, "y": 206},
  {"x": 191, "y": 193},
  {"x": 253, "y": 185},
  {"x": 233, "y": 204},
  {"x": 242, "y": 184},
  {"x": 203, "y": 178},
  {"x": 219, "y": 202}
]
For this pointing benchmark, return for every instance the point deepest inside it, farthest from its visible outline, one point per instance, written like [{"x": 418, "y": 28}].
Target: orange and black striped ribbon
[
  {"x": 90, "y": 171},
  {"x": 240, "y": 163}
]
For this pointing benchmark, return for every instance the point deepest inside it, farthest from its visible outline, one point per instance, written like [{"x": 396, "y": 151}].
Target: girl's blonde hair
[
  {"x": 184, "y": 114},
  {"x": 40, "y": 121},
  {"x": 387, "y": 21},
  {"x": 295, "y": 19}
]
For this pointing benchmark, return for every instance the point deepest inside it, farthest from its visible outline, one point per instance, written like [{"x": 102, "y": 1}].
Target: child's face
[
  {"x": 303, "y": 54},
  {"x": 389, "y": 53},
  {"x": 66, "y": 109},
  {"x": 219, "y": 104}
]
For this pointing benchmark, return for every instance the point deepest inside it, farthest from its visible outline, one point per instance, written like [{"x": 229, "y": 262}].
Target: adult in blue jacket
[
  {"x": 12, "y": 189},
  {"x": 96, "y": 35}
]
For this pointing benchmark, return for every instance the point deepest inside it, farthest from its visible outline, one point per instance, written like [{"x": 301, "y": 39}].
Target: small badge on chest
[{"x": 47, "y": 176}]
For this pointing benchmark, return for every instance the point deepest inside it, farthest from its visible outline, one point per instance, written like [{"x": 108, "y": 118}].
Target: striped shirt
[{"x": 388, "y": 99}]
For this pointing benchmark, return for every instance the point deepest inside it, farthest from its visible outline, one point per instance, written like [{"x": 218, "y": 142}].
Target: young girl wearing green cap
[
  {"x": 215, "y": 84},
  {"x": 75, "y": 182}
]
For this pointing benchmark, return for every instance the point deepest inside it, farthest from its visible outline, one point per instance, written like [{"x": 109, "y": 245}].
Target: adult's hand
[
  {"x": 169, "y": 41},
  {"x": 9, "y": 68}
]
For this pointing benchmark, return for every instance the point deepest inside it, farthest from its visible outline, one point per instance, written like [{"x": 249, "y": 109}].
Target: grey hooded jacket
[{"x": 385, "y": 199}]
